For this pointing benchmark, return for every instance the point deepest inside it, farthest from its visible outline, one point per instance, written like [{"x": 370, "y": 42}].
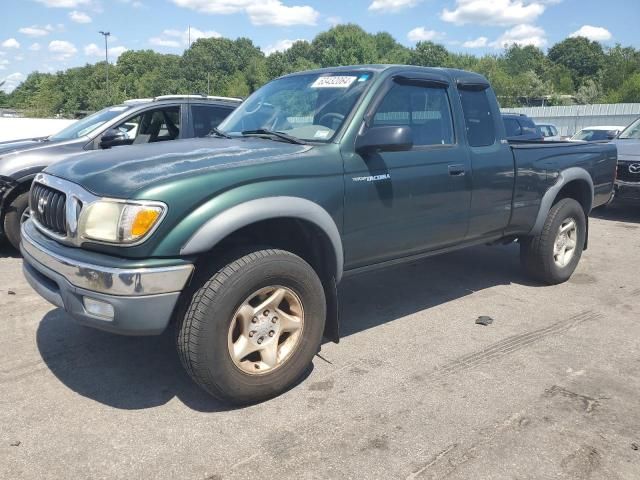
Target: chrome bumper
[
  {"x": 134, "y": 301},
  {"x": 110, "y": 281}
]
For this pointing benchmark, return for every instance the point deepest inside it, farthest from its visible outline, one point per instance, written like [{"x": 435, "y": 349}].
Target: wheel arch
[
  {"x": 303, "y": 219},
  {"x": 574, "y": 182}
]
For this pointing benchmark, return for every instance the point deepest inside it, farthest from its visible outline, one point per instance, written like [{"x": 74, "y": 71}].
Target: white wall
[{"x": 15, "y": 128}]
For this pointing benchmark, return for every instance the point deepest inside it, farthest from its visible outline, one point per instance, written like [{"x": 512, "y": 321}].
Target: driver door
[{"x": 403, "y": 203}]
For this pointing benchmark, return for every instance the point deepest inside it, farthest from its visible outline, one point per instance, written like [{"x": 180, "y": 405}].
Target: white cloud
[
  {"x": 495, "y": 12},
  {"x": 477, "y": 43},
  {"x": 35, "y": 47},
  {"x": 79, "y": 17},
  {"x": 176, "y": 38},
  {"x": 62, "y": 49},
  {"x": 421, "y": 34},
  {"x": 93, "y": 50},
  {"x": 522, "y": 35},
  {"x": 12, "y": 81},
  {"x": 598, "y": 34},
  {"x": 10, "y": 43},
  {"x": 115, "y": 52},
  {"x": 64, "y": 3},
  {"x": 164, "y": 42},
  {"x": 260, "y": 12},
  {"x": 334, "y": 20},
  {"x": 280, "y": 46},
  {"x": 36, "y": 31},
  {"x": 3, "y": 63},
  {"x": 385, "y": 6}
]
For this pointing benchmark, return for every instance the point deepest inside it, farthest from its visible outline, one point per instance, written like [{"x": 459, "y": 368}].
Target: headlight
[{"x": 119, "y": 222}]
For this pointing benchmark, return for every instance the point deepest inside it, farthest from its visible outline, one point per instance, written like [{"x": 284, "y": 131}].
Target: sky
[{"x": 52, "y": 35}]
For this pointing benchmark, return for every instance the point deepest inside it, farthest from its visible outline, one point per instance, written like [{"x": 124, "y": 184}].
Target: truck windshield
[
  {"x": 308, "y": 107},
  {"x": 632, "y": 131},
  {"x": 89, "y": 124}
]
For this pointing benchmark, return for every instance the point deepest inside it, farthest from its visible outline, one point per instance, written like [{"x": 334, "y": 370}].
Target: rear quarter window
[{"x": 478, "y": 119}]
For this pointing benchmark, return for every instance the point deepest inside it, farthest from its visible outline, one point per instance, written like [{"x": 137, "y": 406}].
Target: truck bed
[{"x": 537, "y": 167}]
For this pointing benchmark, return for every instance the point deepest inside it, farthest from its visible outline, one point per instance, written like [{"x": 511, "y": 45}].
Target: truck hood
[
  {"x": 628, "y": 149},
  {"x": 121, "y": 171}
]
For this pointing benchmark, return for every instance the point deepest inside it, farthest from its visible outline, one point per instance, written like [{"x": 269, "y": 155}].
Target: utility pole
[{"x": 106, "y": 57}]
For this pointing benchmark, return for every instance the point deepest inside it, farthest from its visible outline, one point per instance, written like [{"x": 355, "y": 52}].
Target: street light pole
[{"x": 106, "y": 56}]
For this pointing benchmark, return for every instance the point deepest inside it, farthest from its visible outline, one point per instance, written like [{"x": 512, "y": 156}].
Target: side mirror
[
  {"x": 387, "y": 138},
  {"x": 611, "y": 134},
  {"x": 112, "y": 137}
]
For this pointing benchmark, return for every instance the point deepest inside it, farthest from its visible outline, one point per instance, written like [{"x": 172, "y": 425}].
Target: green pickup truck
[{"x": 243, "y": 237}]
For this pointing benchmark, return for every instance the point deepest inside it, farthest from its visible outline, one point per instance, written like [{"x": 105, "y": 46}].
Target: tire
[
  {"x": 12, "y": 219},
  {"x": 205, "y": 335},
  {"x": 538, "y": 254}
]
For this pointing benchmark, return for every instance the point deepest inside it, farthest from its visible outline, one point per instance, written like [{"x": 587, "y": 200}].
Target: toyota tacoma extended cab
[{"x": 244, "y": 237}]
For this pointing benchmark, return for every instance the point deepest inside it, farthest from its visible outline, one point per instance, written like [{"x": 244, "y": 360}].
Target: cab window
[
  {"x": 425, "y": 109},
  {"x": 478, "y": 119}
]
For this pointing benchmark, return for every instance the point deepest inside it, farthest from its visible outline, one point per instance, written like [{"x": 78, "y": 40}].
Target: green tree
[
  {"x": 629, "y": 91},
  {"x": 344, "y": 45},
  {"x": 518, "y": 59},
  {"x": 582, "y": 56},
  {"x": 620, "y": 63},
  {"x": 430, "y": 54}
]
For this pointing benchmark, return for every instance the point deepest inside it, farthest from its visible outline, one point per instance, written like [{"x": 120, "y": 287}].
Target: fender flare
[
  {"x": 564, "y": 177},
  {"x": 252, "y": 211}
]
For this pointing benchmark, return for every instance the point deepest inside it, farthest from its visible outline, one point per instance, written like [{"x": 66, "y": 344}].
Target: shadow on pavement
[
  {"x": 144, "y": 372},
  {"x": 123, "y": 372},
  {"x": 382, "y": 296},
  {"x": 129, "y": 373},
  {"x": 619, "y": 212}
]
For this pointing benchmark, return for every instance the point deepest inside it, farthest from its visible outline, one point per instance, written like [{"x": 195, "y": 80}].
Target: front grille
[
  {"x": 48, "y": 206},
  {"x": 626, "y": 175}
]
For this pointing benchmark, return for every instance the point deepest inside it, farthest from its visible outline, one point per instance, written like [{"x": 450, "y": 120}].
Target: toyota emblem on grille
[
  {"x": 42, "y": 202},
  {"x": 634, "y": 168}
]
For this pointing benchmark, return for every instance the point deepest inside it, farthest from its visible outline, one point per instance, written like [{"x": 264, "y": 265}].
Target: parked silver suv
[{"x": 148, "y": 120}]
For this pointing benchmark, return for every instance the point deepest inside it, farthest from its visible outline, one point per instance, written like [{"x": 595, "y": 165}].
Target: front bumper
[{"x": 142, "y": 299}]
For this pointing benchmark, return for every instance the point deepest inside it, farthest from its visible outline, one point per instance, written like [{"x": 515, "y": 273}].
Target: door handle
[{"x": 457, "y": 170}]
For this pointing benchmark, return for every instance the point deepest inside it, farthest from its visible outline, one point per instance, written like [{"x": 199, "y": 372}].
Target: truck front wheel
[
  {"x": 553, "y": 255},
  {"x": 253, "y": 327}
]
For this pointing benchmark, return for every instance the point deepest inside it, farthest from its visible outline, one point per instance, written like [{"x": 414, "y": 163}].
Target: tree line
[{"x": 573, "y": 70}]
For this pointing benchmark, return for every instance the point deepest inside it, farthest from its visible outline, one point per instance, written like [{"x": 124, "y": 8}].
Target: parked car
[
  {"x": 520, "y": 127},
  {"x": 591, "y": 134},
  {"x": 244, "y": 239},
  {"x": 549, "y": 132},
  {"x": 628, "y": 178},
  {"x": 168, "y": 117}
]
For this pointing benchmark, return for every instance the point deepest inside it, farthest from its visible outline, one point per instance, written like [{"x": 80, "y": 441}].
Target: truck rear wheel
[
  {"x": 553, "y": 255},
  {"x": 253, "y": 327}
]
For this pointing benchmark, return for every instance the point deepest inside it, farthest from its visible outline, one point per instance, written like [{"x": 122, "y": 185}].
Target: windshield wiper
[
  {"x": 281, "y": 135},
  {"x": 219, "y": 133}
]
